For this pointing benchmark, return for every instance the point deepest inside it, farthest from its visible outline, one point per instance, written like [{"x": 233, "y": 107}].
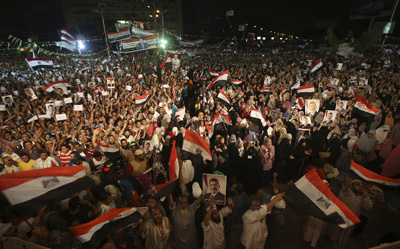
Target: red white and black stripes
[
  {"x": 195, "y": 144},
  {"x": 219, "y": 122},
  {"x": 36, "y": 63},
  {"x": 50, "y": 87},
  {"x": 220, "y": 80},
  {"x": 224, "y": 97},
  {"x": 143, "y": 98},
  {"x": 372, "y": 176},
  {"x": 28, "y": 191}
]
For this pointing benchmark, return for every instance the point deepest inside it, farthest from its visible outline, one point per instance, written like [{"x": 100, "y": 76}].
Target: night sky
[{"x": 309, "y": 18}]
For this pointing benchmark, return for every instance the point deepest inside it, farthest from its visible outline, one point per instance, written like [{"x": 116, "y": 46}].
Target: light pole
[
  {"x": 104, "y": 28},
  {"x": 162, "y": 21}
]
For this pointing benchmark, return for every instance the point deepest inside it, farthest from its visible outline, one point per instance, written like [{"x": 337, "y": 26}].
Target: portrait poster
[
  {"x": 329, "y": 118},
  {"x": 30, "y": 93},
  {"x": 312, "y": 106},
  {"x": 341, "y": 106},
  {"x": 8, "y": 100},
  {"x": 110, "y": 83},
  {"x": 214, "y": 188}
]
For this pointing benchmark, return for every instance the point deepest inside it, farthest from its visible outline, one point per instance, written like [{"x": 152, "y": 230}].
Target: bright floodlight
[
  {"x": 81, "y": 45},
  {"x": 163, "y": 41}
]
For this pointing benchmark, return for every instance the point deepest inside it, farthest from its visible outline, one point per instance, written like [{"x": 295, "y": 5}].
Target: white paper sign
[
  {"x": 129, "y": 88},
  {"x": 58, "y": 103},
  {"x": 61, "y": 117},
  {"x": 32, "y": 119},
  {"x": 80, "y": 95},
  {"x": 105, "y": 93},
  {"x": 46, "y": 116},
  {"x": 16, "y": 93},
  {"x": 78, "y": 107},
  {"x": 68, "y": 100},
  {"x": 2, "y": 108}
]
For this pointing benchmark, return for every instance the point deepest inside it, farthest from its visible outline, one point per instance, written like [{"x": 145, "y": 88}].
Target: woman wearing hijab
[
  {"x": 282, "y": 157},
  {"x": 319, "y": 118},
  {"x": 267, "y": 155},
  {"x": 391, "y": 168},
  {"x": 364, "y": 147},
  {"x": 301, "y": 152},
  {"x": 379, "y": 154}
]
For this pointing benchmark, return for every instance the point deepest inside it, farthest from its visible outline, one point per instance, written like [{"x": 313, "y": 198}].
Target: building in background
[{"x": 80, "y": 15}]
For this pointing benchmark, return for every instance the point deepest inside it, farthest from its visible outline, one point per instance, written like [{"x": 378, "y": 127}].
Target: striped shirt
[
  {"x": 48, "y": 163},
  {"x": 65, "y": 158}
]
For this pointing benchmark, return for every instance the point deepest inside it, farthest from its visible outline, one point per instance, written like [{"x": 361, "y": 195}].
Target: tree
[{"x": 333, "y": 40}]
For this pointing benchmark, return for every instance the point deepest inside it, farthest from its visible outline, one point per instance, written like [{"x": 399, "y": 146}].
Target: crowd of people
[{"x": 112, "y": 129}]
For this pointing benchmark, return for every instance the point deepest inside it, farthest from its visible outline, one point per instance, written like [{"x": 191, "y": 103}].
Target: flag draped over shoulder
[
  {"x": 372, "y": 176},
  {"x": 164, "y": 189},
  {"x": 315, "y": 198},
  {"x": 29, "y": 191},
  {"x": 195, "y": 144},
  {"x": 219, "y": 122},
  {"x": 106, "y": 224},
  {"x": 143, "y": 98}
]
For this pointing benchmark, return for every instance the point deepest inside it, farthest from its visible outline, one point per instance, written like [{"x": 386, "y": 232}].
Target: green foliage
[
  {"x": 333, "y": 40},
  {"x": 366, "y": 41}
]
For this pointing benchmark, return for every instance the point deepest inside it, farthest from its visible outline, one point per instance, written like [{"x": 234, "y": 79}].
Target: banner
[
  {"x": 141, "y": 32},
  {"x": 118, "y": 36},
  {"x": 143, "y": 43}
]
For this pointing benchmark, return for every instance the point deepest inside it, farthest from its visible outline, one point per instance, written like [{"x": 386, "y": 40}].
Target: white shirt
[{"x": 254, "y": 228}]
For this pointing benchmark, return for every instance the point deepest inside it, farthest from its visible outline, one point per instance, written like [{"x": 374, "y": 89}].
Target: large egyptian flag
[
  {"x": 36, "y": 63},
  {"x": 167, "y": 60},
  {"x": 362, "y": 108},
  {"x": 195, "y": 144},
  {"x": 220, "y": 80},
  {"x": 29, "y": 191},
  {"x": 50, "y": 87},
  {"x": 224, "y": 97},
  {"x": 306, "y": 91},
  {"x": 316, "y": 199},
  {"x": 255, "y": 115},
  {"x": 167, "y": 188},
  {"x": 213, "y": 73},
  {"x": 316, "y": 66},
  {"x": 219, "y": 123},
  {"x": 143, "y": 98},
  {"x": 372, "y": 176},
  {"x": 106, "y": 224}
]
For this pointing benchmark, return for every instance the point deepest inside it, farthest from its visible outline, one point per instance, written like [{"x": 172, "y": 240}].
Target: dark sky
[{"x": 310, "y": 18}]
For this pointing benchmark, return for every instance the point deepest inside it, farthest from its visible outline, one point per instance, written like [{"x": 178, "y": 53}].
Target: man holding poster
[{"x": 214, "y": 187}]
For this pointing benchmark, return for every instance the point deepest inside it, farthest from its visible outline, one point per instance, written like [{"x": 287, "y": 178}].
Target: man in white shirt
[
  {"x": 45, "y": 161},
  {"x": 10, "y": 166},
  {"x": 254, "y": 227}
]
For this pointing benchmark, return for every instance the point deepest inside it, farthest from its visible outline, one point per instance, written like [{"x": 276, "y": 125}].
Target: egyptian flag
[
  {"x": 306, "y": 90},
  {"x": 362, "y": 108},
  {"x": 173, "y": 91},
  {"x": 219, "y": 123},
  {"x": 50, "y": 87},
  {"x": 316, "y": 66},
  {"x": 372, "y": 176},
  {"x": 236, "y": 82},
  {"x": 66, "y": 33},
  {"x": 298, "y": 104},
  {"x": 212, "y": 73},
  {"x": 29, "y": 191},
  {"x": 142, "y": 99},
  {"x": 202, "y": 78},
  {"x": 257, "y": 116},
  {"x": 265, "y": 89},
  {"x": 316, "y": 199},
  {"x": 164, "y": 189},
  {"x": 85, "y": 68},
  {"x": 281, "y": 95},
  {"x": 222, "y": 95},
  {"x": 296, "y": 85},
  {"x": 166, "y": 61},
  {"x": 106, "y": 224},
  {"x": 220, "y": 80},
  {"x": 133, "y": 58},
  {"x": 104, "y": 60},
  {"x": 36, "y": 63},
  {"x": 195, "y": 144}
]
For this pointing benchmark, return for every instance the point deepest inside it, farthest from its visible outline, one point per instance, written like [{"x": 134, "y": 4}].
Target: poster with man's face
[
  {"x": 8, "y": 100},
  {"x": 363, "y": 82},
  {"x": 110, "y": 83},
  {"x": 329, "y": 118},
  {"x": 61, "y": 90},
  {"x": 30, "y": 93},
  {"x": 147, "y": 145},
  {"x": 214, "y": 188},
  {"x": 341, "y": 106},
  {"x": 50, "y": 109},
  {"x": 312, "y": 106}
]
